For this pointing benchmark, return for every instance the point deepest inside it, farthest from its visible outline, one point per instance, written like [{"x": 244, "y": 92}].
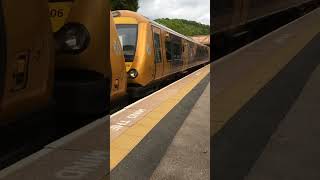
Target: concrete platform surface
[
  {"x": 132, "y": 124},
  {"x": 79, "y": 155},
  {"x": 240, "y": 75},
  {"x": 145, "y": 155},
  {"x": 293, "y": 151},
  {"x": 188, "y": 156},
  {"x": 265, "y": 82}
]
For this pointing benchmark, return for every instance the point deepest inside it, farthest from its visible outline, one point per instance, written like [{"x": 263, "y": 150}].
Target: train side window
[
  {"x": 168, "y": 45},
  {"x": 157, "y": 50}
]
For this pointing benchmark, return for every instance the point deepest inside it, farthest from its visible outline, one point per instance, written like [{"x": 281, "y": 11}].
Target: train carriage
[
  {"x": 228, "y": 15},
  {"x": 26, "y": 59},
  {"x": 154, "y": 52},
  {"x": 236, "y": 22}
]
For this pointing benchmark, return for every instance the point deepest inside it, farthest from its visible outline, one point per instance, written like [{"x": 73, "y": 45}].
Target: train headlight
[
  {"x": 72, "y": 38},
  {"x": 115, "y": 13},
  {"x": 133, "y": 73}
]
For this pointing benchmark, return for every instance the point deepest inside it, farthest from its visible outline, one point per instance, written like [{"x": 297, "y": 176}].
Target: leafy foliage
[
  {"x": 185, "y": 27},
  {"x": 131, "y": 5}
]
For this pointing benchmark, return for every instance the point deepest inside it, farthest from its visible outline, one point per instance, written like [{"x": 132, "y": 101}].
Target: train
[
  {"x": 229, "y": 15},
  {"x": 26, "y": 59},
  {"x": 87, "y": 76},
  {"x": 241, "y": 20},
  {"x": 154, "y": 53},
  {"x": 130, "y": 74},
  {"x": 77, "y": 59}
]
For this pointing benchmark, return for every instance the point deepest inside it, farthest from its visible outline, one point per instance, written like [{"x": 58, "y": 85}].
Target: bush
[{"x": 185, "y": 27}]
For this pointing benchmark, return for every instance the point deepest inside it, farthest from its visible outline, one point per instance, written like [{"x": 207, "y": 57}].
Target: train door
[
  {"x": 185, "y": 54},
  {"x": 26, "y": 58},
  {"x": 194, "y": 54},
  {"x": 168, "y": 67},
  {"x": 157, "y": 52},
  {"x": 177, "y": 53},
  {"x": 190, "y": 55}
]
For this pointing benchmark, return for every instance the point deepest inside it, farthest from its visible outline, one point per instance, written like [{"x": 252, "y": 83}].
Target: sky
[{"x": 196, "y": 10}]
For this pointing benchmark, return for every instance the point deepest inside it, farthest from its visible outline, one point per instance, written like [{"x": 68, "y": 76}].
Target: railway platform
[
  {"x": 140, "y": 134},
  {"x": 265, "y": 106},
  {"x": 268, "y": 88},
  {"x": 79, "y": 155},
  {"x": 148, "y": 134},
  {"x": 295, "y": 143},
  {"x": 188, "y": 155}
]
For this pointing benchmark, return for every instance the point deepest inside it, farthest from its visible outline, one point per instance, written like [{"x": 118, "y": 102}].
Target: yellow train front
[
  {"x": 87, "y": 75},
  {"x": 153, "y": 52}
]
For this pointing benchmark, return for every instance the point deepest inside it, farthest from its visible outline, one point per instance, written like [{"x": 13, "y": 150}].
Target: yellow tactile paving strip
[
  {"x": 241, "y": 75},
  {"x": 124, "y": 139}
]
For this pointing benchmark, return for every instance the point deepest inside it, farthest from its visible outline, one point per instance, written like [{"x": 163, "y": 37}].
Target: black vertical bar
[{"x": 3, "y": 50}]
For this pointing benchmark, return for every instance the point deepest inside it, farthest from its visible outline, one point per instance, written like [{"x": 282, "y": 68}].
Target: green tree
[
  {"x": 185, "y": 27},
  {"x": 132, "y": 5}
]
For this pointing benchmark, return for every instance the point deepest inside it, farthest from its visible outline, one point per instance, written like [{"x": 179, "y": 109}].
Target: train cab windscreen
[{"x": 128, "y": 38}]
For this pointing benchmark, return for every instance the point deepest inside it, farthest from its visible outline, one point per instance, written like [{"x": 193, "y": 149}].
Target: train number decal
[{"x": 56, "y": 13}]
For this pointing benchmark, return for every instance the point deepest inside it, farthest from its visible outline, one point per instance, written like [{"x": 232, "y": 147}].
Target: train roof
[{"x": 140, "y": 18}]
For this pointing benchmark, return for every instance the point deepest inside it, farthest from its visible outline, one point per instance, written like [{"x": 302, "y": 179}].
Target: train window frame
[
  {"x": 159, "y": 60},
  {"x": 136, "y": 40}
]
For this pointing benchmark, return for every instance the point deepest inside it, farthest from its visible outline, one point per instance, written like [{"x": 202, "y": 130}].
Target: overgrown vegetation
[
  {"x": 186, "y": 27},
  {"x": 131, "y": 5}
]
